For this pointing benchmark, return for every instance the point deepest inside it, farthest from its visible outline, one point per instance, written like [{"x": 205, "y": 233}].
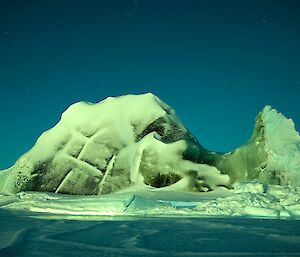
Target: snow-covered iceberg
[{"x": 133, "y": 146}]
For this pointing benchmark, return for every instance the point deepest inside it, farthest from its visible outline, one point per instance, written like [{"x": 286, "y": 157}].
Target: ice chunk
[
  {"x": 282, "y": 144},
  {"x": 272, "y": 154}
]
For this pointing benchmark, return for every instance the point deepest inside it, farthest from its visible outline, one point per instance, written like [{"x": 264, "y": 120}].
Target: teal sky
[{"x": 216, "y": 62}]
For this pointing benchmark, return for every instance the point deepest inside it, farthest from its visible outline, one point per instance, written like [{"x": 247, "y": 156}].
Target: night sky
[{"x": 216, "y": 62}]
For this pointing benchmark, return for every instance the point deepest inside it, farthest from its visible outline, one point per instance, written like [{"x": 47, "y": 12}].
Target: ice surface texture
[
  {"x": 249, "y": 199},
  {"x": 24, "y": 236},
  {"x": 137, "y": 142}
]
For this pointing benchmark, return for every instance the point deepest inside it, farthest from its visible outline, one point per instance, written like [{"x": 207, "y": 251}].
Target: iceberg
[{"x": 131, "y": 155}]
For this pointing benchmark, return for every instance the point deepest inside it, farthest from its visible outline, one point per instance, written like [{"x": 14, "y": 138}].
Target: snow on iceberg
[{"x": 137, "y": 143}]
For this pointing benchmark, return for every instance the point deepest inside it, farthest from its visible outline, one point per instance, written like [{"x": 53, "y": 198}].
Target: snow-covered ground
[
  {"x": 22, "y": 234},
  {"x": 251, "y": 220},
  {"x": 248, "y": 199}
]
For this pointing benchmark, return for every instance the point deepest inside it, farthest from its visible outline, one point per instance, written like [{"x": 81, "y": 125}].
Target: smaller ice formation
[
  {"x": 137, "y": 142},
  {"x": 272, "y": 154}
]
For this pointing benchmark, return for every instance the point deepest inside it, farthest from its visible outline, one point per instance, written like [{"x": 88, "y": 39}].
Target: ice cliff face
[{"x": 137, "y": 142}]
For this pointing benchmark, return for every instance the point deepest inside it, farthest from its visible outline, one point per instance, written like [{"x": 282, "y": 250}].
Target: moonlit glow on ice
[{"x": 131, "y": 156}]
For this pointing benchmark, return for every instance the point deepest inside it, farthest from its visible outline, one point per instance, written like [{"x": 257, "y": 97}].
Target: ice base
[{"x": 251, "y": 199}]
